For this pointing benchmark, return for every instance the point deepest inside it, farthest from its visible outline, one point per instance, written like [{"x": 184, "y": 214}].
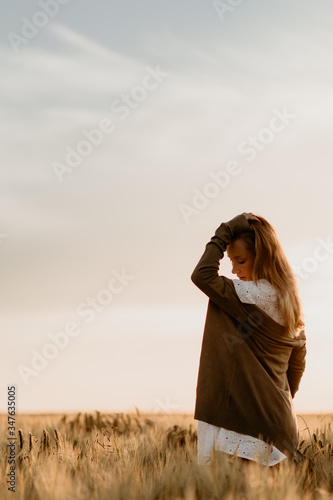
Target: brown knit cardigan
[{"x": 249, "y": 369}]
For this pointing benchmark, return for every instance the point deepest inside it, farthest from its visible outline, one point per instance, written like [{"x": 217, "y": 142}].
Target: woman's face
[{"x": 242, "y": 260}]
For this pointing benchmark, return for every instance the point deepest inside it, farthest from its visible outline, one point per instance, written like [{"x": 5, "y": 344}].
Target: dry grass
[{"x": 148, "y": 456}]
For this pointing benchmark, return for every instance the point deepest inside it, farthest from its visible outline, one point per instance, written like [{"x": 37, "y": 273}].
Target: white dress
[{"x": 264, "y": 296}]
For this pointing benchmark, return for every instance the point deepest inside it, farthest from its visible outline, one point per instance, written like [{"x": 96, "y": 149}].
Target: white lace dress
[{"x": 264, "y": 296}]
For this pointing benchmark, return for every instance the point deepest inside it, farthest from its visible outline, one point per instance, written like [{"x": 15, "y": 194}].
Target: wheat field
[{"x": 125, "y": 456}]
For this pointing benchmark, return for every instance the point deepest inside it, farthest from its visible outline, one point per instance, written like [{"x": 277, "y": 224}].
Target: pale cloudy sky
[{"x": 196, "y": 89}]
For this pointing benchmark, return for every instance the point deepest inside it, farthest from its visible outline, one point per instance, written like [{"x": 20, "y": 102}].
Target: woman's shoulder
[
  {"x": 262, "y": 293},
  {"x": 250, "y": 292}
]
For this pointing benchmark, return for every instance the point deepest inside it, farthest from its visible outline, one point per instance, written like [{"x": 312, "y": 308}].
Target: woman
[{"x": 253, "y": 348}]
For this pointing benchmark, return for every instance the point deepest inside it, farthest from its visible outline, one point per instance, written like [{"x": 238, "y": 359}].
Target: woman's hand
[{"x": 250, "y": 216}]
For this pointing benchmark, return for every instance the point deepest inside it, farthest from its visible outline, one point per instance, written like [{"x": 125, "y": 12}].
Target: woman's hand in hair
[{"x": 250, "y": 216}]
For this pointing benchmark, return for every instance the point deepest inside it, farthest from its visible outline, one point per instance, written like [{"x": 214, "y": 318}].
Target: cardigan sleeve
[
  {"x": 296, "y": 368},
  {"x": 205, "y": 275}
]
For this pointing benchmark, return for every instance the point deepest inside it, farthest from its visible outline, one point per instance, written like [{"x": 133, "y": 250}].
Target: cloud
[
  {"x": 80, "y": 71},
  {"x": 188, "y": 126}
]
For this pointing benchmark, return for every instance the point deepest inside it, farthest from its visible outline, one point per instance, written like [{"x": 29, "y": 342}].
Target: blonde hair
[{"x": 271, "y": 264}]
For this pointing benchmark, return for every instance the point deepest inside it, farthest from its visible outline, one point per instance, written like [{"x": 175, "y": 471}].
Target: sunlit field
[{"x": 151, "y": 456}]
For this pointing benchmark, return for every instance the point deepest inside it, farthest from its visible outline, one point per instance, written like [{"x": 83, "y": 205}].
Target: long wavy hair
[{"x": 271, "y": 264}]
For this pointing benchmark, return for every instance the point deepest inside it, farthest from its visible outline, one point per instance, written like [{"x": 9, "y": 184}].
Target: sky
[{"x": 130, "y": 132}]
